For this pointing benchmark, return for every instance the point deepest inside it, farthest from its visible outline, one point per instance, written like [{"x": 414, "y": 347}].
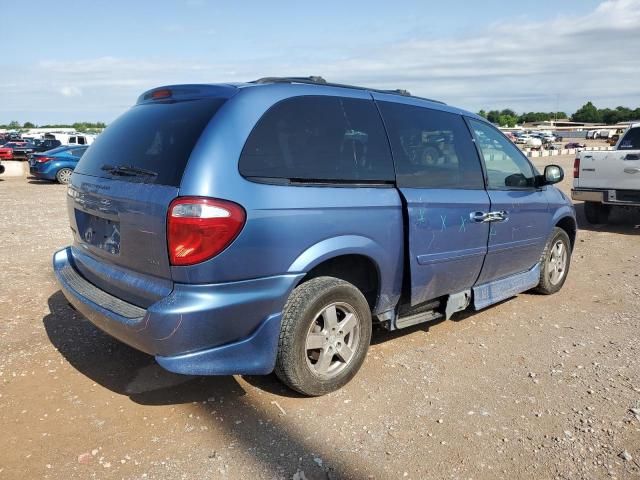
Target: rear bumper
[
  {"x": 610, "y": 197},
  {"x": 33, "y": 171},
  {"x": 219, "y": 329}
]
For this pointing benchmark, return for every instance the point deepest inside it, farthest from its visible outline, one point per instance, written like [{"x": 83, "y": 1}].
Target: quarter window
[
  {"x": 506, "y": 166},
  {"x": 431, "y": 148},
  {"x": 319, "y": 138}
]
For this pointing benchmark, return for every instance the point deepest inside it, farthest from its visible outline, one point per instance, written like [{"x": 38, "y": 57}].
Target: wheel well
[
  {"x": 569, "y": 226},
  {"x": 358, "y": 270}
]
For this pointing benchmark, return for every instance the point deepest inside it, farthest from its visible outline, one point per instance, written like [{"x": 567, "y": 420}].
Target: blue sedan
[{"x": 56, "y": 164}]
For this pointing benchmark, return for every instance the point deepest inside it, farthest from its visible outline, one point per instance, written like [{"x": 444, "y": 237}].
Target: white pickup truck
[{"x": 609, "y": 178}]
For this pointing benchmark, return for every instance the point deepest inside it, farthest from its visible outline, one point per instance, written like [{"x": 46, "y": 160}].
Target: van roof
[
  {"x": 317, "y": 80},
  {"x": 227, "y": 90}
]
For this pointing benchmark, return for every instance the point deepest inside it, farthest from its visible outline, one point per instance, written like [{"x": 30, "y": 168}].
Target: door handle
[
  {"x": 631, "y": 170},
  {"x": 496, "y": 216},
  {"x": 478, "y": 216},
  {"x": 632, "y": 156}
]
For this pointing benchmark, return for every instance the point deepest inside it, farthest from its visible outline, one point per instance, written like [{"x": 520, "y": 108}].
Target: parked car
[
  {"x": 7, "y": 150},
  {"x": 607, "y": 179},
  {"x": 6, "y": 153},
  {"x": 572, "y": 145},
  {"x": 22, "y": 152},
  {"x": 267, "y": 225},
  {"x": 57, "y": 164},
  {"x": 534, "y": 143},
  {"x": 46, "y": 144}
]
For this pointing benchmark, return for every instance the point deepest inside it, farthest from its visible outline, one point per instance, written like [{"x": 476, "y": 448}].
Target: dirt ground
[{"x": 535, "y": 387}]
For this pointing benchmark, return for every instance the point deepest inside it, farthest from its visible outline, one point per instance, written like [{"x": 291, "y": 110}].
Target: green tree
[
  {"x": 493, "y": 116},
  {"x": 13, "y": 125},
  {"x": 482, "y": 113},
  {"x": 507, "y": 120},
  {"x": 587, "y": 113},
  {"x": 28, "y": 125}
]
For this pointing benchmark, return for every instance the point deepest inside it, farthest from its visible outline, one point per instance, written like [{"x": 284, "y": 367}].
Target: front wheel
[
  {"x": 64, "y": 175},
  {"x": 555, "y": 261},
  {"x": 324, "y": 336}
]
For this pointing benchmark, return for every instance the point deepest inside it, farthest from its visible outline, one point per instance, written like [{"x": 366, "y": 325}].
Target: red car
[
  {"x": 6, "y": 150},
  {"x": 6, "y": 153}
]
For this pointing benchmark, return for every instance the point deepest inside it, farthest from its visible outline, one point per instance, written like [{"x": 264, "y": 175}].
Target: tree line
[
  {"x": 588, "y": 113},
  {"x": 78, "y": 126}
]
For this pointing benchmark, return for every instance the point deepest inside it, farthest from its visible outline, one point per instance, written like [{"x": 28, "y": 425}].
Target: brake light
[
  {"x": 43, "y": 159},
  {"x": 200, "y": 228},
  {"x": 164, "y": 93},
  {"x": 576, "y": 168}
]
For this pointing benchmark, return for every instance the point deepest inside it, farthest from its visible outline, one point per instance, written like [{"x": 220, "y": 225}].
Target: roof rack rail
[{"x": 318, "y": 80}]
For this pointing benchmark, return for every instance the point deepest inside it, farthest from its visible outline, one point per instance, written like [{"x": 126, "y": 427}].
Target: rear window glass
[
  {"x": 57, "y": 150},
  {"x": 319, "y": 138},
  {"x": 150, "y": 142}
]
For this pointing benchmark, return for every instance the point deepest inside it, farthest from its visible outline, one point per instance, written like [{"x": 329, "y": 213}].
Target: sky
[{"x": 67, "y": 61}]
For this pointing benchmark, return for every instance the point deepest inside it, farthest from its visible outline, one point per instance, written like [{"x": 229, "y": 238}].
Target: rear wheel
[
  {"x": 596, "y": 212},
  {"x": 324, "y": 337},
  {"x": 64, "y": 175},
  {"x": 555, "y": 261}
]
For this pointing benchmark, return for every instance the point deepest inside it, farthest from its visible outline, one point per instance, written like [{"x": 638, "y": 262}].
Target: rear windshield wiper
[{"x": 128, "y": 170}]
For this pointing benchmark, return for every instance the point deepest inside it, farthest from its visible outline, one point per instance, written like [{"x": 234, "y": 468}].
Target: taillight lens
[
  {"x": 200, "y": 228},
  {"x": 43, "y": 159},
  {"x": 576, "y": 168}
]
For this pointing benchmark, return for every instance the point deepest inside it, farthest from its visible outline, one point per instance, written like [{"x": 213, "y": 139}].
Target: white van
[{"x": 74, "y": 138}]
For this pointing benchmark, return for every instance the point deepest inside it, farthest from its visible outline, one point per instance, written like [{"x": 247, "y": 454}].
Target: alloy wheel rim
[
  {"x": 557, "y": 262},
  {"x": 332, "y": 339},
  {"x": 65, "y": 175}
]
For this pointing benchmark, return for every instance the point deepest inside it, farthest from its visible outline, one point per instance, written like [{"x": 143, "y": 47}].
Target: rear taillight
[
  {"x": 43, "y": 159},
  {"x": 200, "y": 228},
  {"x": 576, "y": 168}
]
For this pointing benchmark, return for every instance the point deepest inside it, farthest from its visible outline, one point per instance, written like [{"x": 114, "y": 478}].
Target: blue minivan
[{"x": 246, "y": 228}]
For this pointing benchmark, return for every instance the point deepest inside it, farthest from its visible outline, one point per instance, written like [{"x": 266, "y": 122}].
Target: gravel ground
[{"x": 535, "y": 387}]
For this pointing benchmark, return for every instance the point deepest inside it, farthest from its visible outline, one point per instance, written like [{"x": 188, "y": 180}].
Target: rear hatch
[{"x": 123, "y": 185}]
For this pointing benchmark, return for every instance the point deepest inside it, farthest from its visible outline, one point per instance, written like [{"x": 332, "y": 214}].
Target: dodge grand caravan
[{"x": 247, "y": 228}]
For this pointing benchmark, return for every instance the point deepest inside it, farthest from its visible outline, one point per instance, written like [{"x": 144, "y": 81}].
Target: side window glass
[
  {"x": 319, "y": 138},
  {"x": 431, "y": 148},
  {"x": 81, "y": 141},
  {"x": 506, "y": 166},
  {"x": 631, "y": 140}
]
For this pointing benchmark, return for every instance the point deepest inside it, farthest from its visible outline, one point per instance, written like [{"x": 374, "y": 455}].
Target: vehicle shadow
[
  {"x": 126, "y": 371},
  {"x": 623, "y": 221},
  {"x": 38, "y": 181}
]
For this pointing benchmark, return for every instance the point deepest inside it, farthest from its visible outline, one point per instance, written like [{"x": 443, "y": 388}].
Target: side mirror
[{"x": 553, "y": 174}]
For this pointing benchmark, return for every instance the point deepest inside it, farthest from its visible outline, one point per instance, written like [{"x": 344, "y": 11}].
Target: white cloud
[
  {"x": 562, "y": 62},
  {"x": 70, "y": 91}
]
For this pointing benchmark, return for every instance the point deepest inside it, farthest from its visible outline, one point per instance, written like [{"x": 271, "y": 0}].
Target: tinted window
[
  {"x": 631, "y": 140},
  {"x": 157, "y": 137},
  {"x": 77, "y": 152},
  {"x": 506, "y": 166},
  {"x": 431, "y": 149},
  {"x": 319, "y": 138}
]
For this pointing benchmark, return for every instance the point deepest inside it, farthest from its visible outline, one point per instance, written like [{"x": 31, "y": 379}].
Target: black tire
[
  {"x": 596, "y": 213},
  {"x": 547, "y": 286},
  {"x": 300, "y": 317},
  {"x": 63, "y": 175}
]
